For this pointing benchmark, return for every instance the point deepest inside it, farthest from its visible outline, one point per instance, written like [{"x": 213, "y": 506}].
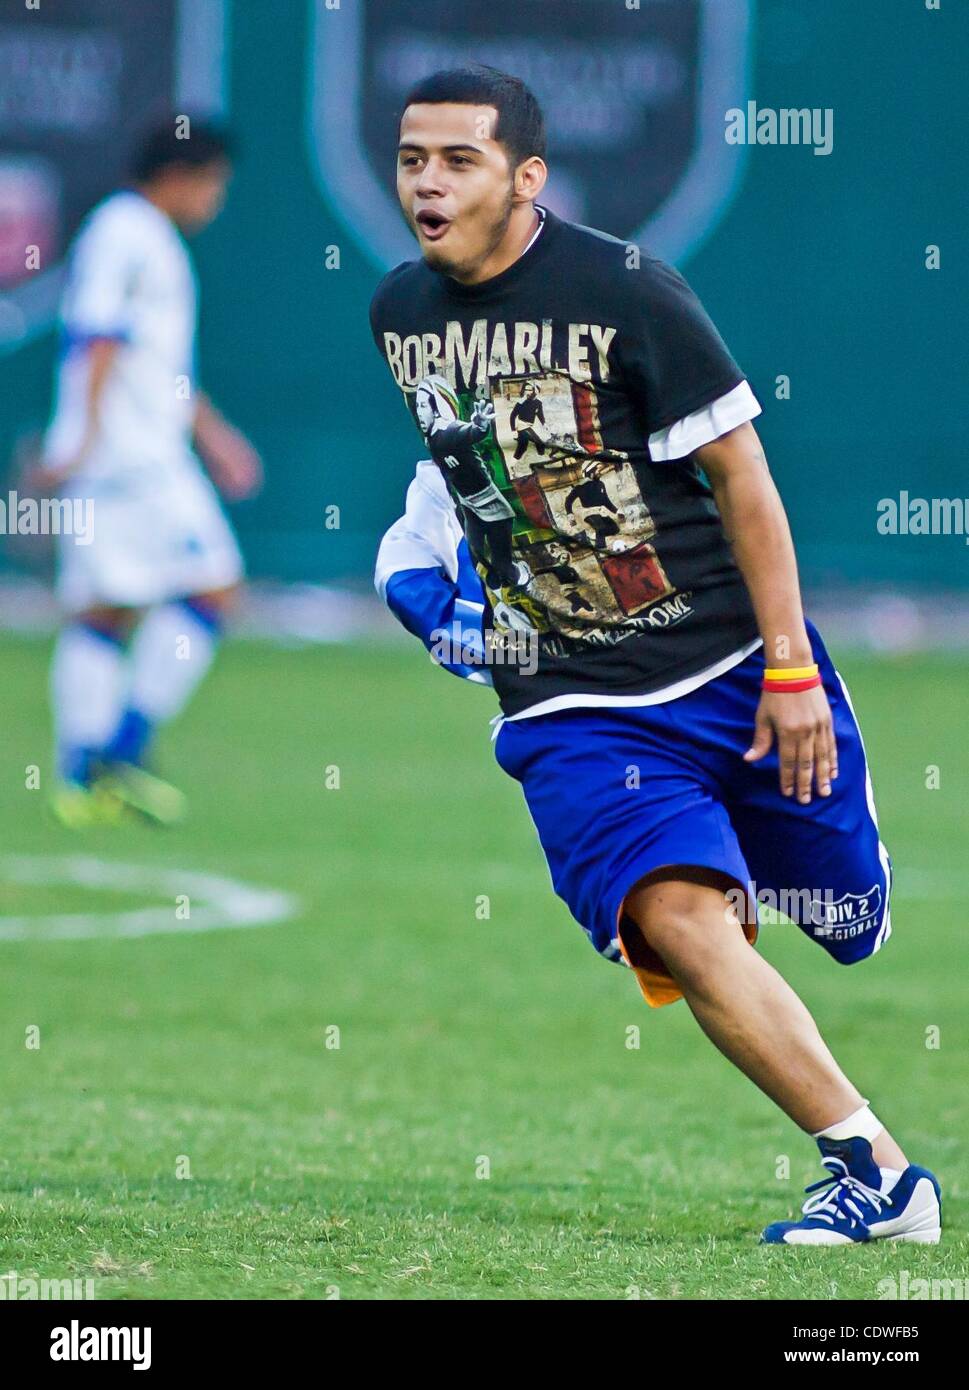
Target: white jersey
[{"x": 130, "y": 278}]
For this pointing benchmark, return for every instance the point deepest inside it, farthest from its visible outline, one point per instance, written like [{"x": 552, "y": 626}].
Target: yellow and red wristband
[{"x": 791, "y": 678}]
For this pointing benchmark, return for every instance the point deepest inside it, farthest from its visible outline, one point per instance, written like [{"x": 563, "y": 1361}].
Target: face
[
  {"x": 422, "y": 408},
  {"x": 199, "y": 194},
  {"x": 454, "y": 183}
]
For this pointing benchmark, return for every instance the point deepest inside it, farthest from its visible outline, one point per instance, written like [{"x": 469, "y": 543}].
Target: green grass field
[{"x": 467, "y": 1045}]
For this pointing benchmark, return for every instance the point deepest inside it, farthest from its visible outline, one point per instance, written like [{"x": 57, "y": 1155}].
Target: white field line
[{"x": 214, "y": 901}]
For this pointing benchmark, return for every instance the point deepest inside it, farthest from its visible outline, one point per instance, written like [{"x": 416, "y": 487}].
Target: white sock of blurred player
[
  {"x": 170, "y": 653},
  {"x": 88, "y": 678}
]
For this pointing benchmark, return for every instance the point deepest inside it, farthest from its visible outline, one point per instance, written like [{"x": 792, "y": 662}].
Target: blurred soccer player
[
  {"x": 146, "y": 600},
  {"x": 680, "y": 736}
]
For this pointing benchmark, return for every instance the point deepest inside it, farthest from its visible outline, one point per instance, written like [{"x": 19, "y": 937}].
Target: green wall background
[{"x": 817, "y": 271}]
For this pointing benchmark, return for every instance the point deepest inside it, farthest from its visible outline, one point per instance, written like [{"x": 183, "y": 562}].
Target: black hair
[
  {"x": 165, "y": 146},
  {"x": 430, "y": 396},
  {"x": 521, "y": 125}
]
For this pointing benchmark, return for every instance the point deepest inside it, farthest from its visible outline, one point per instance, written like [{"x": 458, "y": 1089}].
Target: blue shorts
[{"x": 617, "y": 792}]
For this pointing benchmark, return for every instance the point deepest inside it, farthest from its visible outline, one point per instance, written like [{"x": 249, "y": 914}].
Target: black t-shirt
[{"x": 626, "y": 581}]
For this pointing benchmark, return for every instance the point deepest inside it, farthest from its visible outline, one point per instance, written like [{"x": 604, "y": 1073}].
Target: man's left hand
[{"x": 806, "y": 748}]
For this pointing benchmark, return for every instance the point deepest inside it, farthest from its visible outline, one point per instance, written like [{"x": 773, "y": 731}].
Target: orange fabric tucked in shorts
[{"x": 655, "y": 981}]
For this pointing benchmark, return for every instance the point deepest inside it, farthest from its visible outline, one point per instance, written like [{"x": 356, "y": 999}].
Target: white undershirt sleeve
[{"x": 684, "y": 437}]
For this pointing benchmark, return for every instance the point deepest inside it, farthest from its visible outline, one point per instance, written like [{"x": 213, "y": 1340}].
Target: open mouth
[{"x": 432, "y": 224}]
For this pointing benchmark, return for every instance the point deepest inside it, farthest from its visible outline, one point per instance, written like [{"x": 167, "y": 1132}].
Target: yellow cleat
[
  {"x": 142, "y": 791},
  {"x": 78, "y": 807}
]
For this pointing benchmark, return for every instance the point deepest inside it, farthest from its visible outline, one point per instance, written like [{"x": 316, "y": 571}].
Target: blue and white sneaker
[{"x": 854, "y": 1207}]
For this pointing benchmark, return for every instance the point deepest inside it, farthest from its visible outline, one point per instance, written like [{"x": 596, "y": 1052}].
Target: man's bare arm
[{"x": 756, "y": 527}]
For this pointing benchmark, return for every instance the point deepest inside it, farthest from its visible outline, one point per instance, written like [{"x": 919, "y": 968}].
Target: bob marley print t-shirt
[{"x": 536, "y": 392}]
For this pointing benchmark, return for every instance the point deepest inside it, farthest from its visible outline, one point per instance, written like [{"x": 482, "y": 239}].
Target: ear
[{"x": 530, "y": 178}]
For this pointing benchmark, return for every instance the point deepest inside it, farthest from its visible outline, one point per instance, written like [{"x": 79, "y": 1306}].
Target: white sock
[
  {"x": 171, "y": 652},
  {"x": 87, "y": 691},
  {"x": 861, "y": 1124}
]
